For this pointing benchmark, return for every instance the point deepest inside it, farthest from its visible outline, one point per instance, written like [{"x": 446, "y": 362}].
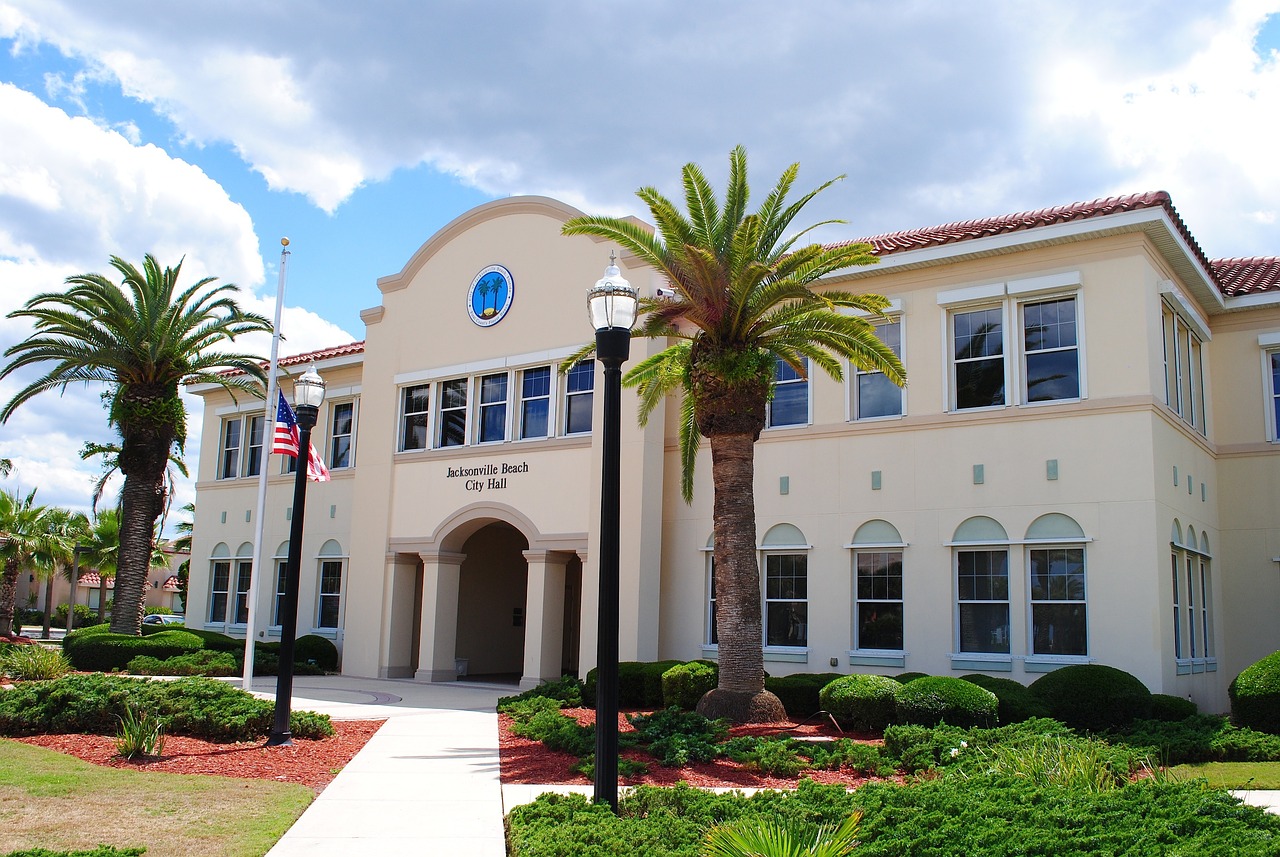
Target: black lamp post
[
  {"x": 612, "y": 307},
  {"x": 308, "y": 395}
]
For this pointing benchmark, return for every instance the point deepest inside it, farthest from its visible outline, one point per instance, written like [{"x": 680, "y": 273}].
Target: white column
[
  {"x": 544, "y": 617},
  {"x": 440, "y": 574}
]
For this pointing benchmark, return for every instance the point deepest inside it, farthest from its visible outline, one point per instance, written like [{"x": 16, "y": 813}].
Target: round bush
[
  {"x": 94, "y": 650},
  {"x": 684, "y": 684},
  {"x": 1017, "y": 702},
  {"x": 932, "y": 700},
  {"x": 799, "y": 692},
  {"x": 864, "y": 702},
  {"x": 1255, "y": 695},
  {"x": 312, "y": 647},
  {"x": 1093, "y": 696},
  {"x": 903, "y": 678},
  {"x": 1172, "y": 709}
]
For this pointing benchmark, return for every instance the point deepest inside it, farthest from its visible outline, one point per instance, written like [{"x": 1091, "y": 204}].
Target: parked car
[{"x": 163, "y": 619}]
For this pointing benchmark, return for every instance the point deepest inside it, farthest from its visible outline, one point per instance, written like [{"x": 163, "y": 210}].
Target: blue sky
[{"x": 211, "y": 129}]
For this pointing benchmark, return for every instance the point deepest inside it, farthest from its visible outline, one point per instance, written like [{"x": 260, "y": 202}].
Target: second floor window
[
  {"x": 535, "y": 402},
  {"x": 415, "y": 405},
  {"x": 453, "y": 413},
  {"x": 493, "y": 408},
  {"x": 229, "y": 468},
  {"x": 790, "y": 403},
  {"x": 579, "y": 387},
  {"x": 342, "y": 435},
  {"x": 874, "y": 395},
  {"x": 978, "y": 343}
]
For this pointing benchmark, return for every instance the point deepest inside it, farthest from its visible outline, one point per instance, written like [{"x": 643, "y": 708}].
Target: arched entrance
[{"x": 492, "y": 588}]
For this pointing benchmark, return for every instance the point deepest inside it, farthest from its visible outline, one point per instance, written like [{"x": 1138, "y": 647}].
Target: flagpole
[{"x": 268, "y": 440}]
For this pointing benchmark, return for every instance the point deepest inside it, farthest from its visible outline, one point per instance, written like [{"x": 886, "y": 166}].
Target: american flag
[{"x": 286, "y": 441}]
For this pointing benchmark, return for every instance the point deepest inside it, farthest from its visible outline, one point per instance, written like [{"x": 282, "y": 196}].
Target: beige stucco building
[{"x": 1084, "y": 467}]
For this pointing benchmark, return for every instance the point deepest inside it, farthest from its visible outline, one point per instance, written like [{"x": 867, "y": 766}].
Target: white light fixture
[
  {"x": 308, "y": 390},
  {"x": 611, "y": 302}
]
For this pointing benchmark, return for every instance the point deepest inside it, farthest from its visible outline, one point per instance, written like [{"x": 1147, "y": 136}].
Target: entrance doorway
[{"x": 492, "y": 589}]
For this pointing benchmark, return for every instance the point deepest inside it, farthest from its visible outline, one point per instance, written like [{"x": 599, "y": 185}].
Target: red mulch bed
[
  {"x": 528, "y": 761},
  {"x": 312, "y": 763}
]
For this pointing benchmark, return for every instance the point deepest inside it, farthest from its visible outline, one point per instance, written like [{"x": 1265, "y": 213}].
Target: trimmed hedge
[
  {"x": 684, "y": 684},
  {"x": 203, "y": 662},
  {"x": 1093, "y": 697},
  {"x": 799, "y": 691},
  {"x": 932, "y": 700},
  {"x": 321, "y": 650},
  {"x": 1017, "y": 702},
  {"x": 1172, "y": 709},
  {"x": 903, "y": 678},
  {"x": 212, "y": 639},
  {"x": 639, "y": 684},
  {"x": 93, "y": 649},
  {"x": 864, "y": 702},
  {"x": 1255, "y": 695},
  {"x": 196, "y": 706}
]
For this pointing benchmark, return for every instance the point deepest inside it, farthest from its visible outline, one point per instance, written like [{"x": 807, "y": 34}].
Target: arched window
[
  {"x": 1192, "y": 579},
  {"x": 786, "y": 587},
  {"x": 1056, "y": 571},
  {"x": 333, "y": 562},
  {"x": 877, "y": 587},
  {"x": 981, "y": 548},
  {"x": 219, "y": 582}
]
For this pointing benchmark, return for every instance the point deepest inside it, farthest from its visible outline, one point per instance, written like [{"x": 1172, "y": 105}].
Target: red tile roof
[
  {"x": 309, "y": 357},
  {"x": 170, "y": 583},
  {"x": 1232, "y": 276},
  {"x": 91, "y": 579}
]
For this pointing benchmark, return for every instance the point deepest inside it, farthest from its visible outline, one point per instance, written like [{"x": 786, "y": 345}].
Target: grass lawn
[
  {"x": 54, "y": 801},
  {"x": 1232, "y": 775}
]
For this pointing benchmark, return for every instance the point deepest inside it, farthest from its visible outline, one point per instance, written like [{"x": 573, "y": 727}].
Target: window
[
  {"x": 982, "y": 579},
  {"x": 790, "y": 403},
  {"x": 1179, "y": 649},
  {"x": 713, "y": 636},
  {"x": 452, "y": 429},
  {"x": 230, "y": 466},
  {"x": 1190, "y": 563},
  {"x": 1050, "y": 350},
  {"x": 978, "y": 341},
  {"x": 253, "y": 446},
  {"x": 244, "y": 577},
  {"x": 220, "y": 583},
  {"x": 330, "y": 593},
  {"x": 493, "y": 408},
  {"x": 413, "y": 417},
  {"x": 535, "y": 402},
  {"x": 1058, "y": 624},
  {"x": 342, "y": 430},
  {"x": 1206, "y": 615},
  {"x": 786, "y": 600},
  {"x": 874, "y": 395},
  {"x": 579, "y": 388},
  {"x": 282, "y": 573},
  {"x": 1183, "y": 369},
  {"x": 878, "y": 600},
  {"x": 1271, "y": 375}
]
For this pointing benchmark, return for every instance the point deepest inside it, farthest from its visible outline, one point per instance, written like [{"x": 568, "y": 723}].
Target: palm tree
[
  {"x": 744, "y": 300},
  {"x": 65, "y": 530},
  {"x": 186, "y": 529},
  {"x": 141, "y": 338},
  {"x": 759, "y": 838},
  {"x": 22, "y": 535},
  {"x": 6, "y": 467},
  {"x": 104, "y": 553}
]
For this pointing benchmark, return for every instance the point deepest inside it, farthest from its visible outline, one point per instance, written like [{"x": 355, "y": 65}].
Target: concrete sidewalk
[{"x": 428, "y": 781}]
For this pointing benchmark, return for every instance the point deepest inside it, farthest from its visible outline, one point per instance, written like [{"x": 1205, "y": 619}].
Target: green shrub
[
  {"x": 937, "y": 699},
  {"x": 85, "y": 617},
  {"x": 684, "y": 684},
  {"x": 140, "y": 734},
  {"x": 566, "y": 691},
  {"x": 918, "y": 748},
  {"x": 92, "y": 649},
  {"x": 677, "y": 737},
  {"x": 1172, "y": 708},
  {"x": 863, "y": 702},
  {"x": 1255, "y": 695},
  {"x": 903, "y": 678},
  {"x": 196, "y": 706},
  {"x": 865, "y": 759},
  {"x": 1017, "y": 702},
  {"x": 212, "y": 639},
  {"x": 1199, "y": 738},
  {"x": 799, "y": 692},
  {"x": 639, "y": 684},
  {"x": 157, "y": 610},
  {"x": 33, "y": 662},
  {"x": 1093, "y": 696},
  {"x": 776, "y": 757},
  {"x": 203, "y": 662},
  {"x": 321, "y": 650}
]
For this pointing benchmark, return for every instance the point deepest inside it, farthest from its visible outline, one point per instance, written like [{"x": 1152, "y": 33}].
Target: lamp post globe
[
  {"x": 308, "y": 395},
  {"x": 611, "y": 306}
]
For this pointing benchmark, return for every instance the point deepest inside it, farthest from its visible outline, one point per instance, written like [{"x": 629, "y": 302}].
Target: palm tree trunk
[
  {"x": 8, "y": 592},
  {"x": 740, "y": 696},
  {"x": 48, "y": 599},
  {"x": 142, "y": 501}
]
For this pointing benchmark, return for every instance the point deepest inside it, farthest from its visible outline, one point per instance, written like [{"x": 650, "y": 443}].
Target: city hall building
[{"x": 1084, "y": 468}]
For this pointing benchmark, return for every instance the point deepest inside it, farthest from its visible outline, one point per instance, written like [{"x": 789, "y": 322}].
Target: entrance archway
[{"x": 492, "y": 590}]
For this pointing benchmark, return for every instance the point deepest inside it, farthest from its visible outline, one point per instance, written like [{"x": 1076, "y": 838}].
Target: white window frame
[
  {"x": 243, "y": 567},
  {"x": 710, "y": 636},
  {"x": 1179, "y": 638},
  {"x": 1269, "y": 344},
  {"x": 977, "y": 547},
  {"x": 781, "y": 366},
  {"x": 858, "y": 601},
  {"x": 1194, "y": 643},
  {"x": 214, "y": 591},
  {"x": 281, "y": 564},
  {"x": 443, "y": 413},
  {"x": 250, "y": 468},
  {"x": 548, "y": 398},
  {"x": 403, "y": 424},
  {"x": 354, "y": 403},
  {"x": 568, "y": 396},
  {"x": 481, "y": 406},
  {"x": 953, "y": 363},
  {"x": 856, "y": 374},
  {"x": 229, "y": 456},
  {"x": 1033, "y": 602},
  {"x": 1183, "y": 340},
  {"x": 321, "y": 594},
  {"x": 1023, "y": 353},
  {"x": 780, "y": 552}
]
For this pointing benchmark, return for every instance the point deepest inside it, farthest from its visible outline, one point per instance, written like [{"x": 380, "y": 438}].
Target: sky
[{"x": 205, "y": 131}]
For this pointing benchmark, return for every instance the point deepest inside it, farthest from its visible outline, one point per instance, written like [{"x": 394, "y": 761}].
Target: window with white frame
[
  {"x": 1179, "y": 646},
  {"x": 579, "y": 389},
  {"x": 978, "y": 365},
  {"x": 1057, "y": 590},
  {"x": 1193, "y": 614},
  {"x": 219, "y": 583},
  {"x": 535, "y": 402},
  {"x": 790, "y": 403},
  {"x": 982, "y": 587},
  {"x": 786, "y": 587},
  {"x": 253, "y": 445},
  {"x": 1183, "y": 366},
  {"x": 877, "y": 587},
  {"x": 493, "y": 408},
  {"x": 874, "y": 395},
  {"x": 282, "y": 576},
  {"x": 415, "y": 404},
  {"x": 1274, "y": 361},
  {"x": 342, "y": 435},
  {"x": 451, "y": 422},
  {"x": 329, "y": 590},
  {"x": 229, "y": 467},
  {"x": 713, "y": 635},
  {"x": 1051, "y": 351},
  {"x": 244, "y": 577}
]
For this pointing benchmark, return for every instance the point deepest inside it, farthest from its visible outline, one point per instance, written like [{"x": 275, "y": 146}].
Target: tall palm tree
[
  {"x": 22, "y": 536},
  {"x": 104, "y": 545},
  {"x": 744, "y": 299},
  {"x": 186, "y": 530},
  {"x": 66, "y": 530},
  {"x": 141, "y": 338}
]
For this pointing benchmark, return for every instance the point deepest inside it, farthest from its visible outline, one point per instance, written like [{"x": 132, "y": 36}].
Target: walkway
[{"x": 428, "y": 781}]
